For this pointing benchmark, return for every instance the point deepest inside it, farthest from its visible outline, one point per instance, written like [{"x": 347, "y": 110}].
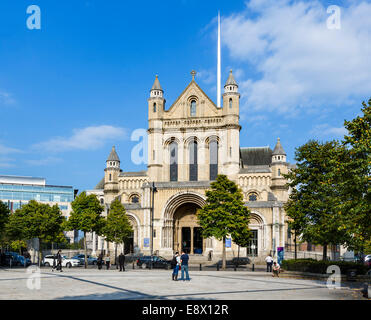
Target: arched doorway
[
  {"x": 180, "y": 229},
  {"x": 187, "y": 232}
]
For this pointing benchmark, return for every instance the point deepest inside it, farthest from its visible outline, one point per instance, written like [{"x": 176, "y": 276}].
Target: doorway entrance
[{"x": 187, "y": 232}]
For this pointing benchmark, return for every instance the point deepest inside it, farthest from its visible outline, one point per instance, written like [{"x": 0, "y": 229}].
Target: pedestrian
[
  {"x": 54, "y": 262},
  {"x": 269, "y": 261},
  {"x": 276, "y": 269},
  {"x": 100, "y": 261},
  {"x": 59, "y": 261},
  {"x": 184, "y": 266},
  {"x": 107, "y": 260},
  {"x": 175, "y": 264},
  {"x": 122, "y": 261}
]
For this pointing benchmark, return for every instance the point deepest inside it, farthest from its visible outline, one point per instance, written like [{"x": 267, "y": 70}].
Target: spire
[
  {"x": 156, "y": 84},
  {"x": 231, "y": 80},
  {"x": 278, "y": 149},
  {"x": 113, "y": 155}
]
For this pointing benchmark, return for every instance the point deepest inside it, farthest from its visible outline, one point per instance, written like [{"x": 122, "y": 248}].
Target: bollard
[
  {"x": 235, "y": 267},
  {"x": 217, "y": 267},
  {"x": 200, "y": 267},
  {"x": 133, "y": 265},
  {"x": 253, "y": 267}
]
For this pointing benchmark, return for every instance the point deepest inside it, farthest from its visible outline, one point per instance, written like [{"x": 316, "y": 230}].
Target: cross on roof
[{"x": 193, "y": 73}]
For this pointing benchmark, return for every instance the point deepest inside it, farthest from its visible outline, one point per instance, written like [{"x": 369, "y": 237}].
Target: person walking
[
  {"x": 54, "y": 262},
  {"x": 276, "y": 269},
  {"x": 122, "y": 261},
  {"x": 100, "y": 261},
  {"x": 107, "y": 261},
  {"x": 59, "y": 261},
  {"x": 269, "y": 261},
  {"x": 184, "y": 266}
]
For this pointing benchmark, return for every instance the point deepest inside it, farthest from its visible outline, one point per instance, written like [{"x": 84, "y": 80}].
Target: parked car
[
  {"x": 17, "y": 260},
  {"x": 368, "y": 260},
  {"x": 157, "y": 262},
  {"x": 81, "y": 258},
  {"x": 66, "y": 262}
]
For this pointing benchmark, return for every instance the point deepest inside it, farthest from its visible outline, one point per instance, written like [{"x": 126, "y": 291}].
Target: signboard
[
  {"x": 228, "y": 242},
  {"x": 280, "y": 255},
  {"x": 146, "y": 242}
]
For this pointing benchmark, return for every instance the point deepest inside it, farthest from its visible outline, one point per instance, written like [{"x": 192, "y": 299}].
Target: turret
[
  {"x": 231, "y": 96},
  {"x": 156, "y": 101},
  {"x": 279, "y": 167},
  {"x": 111, "y": 174}
]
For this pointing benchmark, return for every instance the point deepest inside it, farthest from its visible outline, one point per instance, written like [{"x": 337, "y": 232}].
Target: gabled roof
[
  {"x": 113, "y": 155},
  {"x": 278, "y": 149},
  {"x": 193, "y": 82},
  {"x": 100, "y": 185},
  {"x": 256, "y": 156}
]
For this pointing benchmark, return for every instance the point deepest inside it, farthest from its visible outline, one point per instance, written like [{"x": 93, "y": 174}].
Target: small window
[
  {"x": 154, "y": 107},
  {"x": 101, "y": 201},
  {"x": 154, "y": 154},
  {"x": 193, "y": 108},
  {"x": 253, "y": 197},
  {"x": 279, "y": 172},
  {"x": 134, "y": 199},
  {"x": 154, "y": 233},
  {"x": 230, "y": 103},
  {"x": 110, "y": 177}
]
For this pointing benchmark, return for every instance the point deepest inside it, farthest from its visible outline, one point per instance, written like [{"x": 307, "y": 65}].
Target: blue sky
[{"x": 71, "y": 90}]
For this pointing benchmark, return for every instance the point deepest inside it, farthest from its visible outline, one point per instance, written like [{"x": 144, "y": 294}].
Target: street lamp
[
  {"x": 153, "y": 190},
  {"x": 253, "y": 255}
]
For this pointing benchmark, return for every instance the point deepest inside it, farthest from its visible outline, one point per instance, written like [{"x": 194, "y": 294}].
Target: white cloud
[
  {"x": 6, "y": 98},
  {"x": 324, "y": 130},
  {"x": 89, "y": 138},
  {"x": 8, "y": 150},
  {"x": 301, "y": 64},
  {"x": 6, "y": 162},
  {"x": 44, "y": 162}
]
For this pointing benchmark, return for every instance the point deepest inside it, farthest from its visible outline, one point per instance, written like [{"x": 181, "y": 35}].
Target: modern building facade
[
  {"x": 189, "y": 144},
  {"x": 16, "y": 191}
]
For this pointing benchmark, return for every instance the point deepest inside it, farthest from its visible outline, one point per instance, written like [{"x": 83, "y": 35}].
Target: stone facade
[{"x": 188, "y": 145}]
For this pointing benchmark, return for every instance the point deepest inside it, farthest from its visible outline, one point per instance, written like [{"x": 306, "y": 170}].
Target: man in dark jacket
[
  {"x": 59, "y": 261},
  {"x": 122, "y": 262}
]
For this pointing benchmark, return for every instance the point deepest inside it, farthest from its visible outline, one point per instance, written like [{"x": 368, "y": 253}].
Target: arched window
[
  {"x": 279, "y": 172},
  {"x": 213, "y": 146},
  {"x": 154, "y": 107},
  {"x": 173, "y": 161},
  {"x": 101, "y": 201},
  {"x": 110, "y": 177},
  {"x": 193, "y": 170},
  {"x": 253, "y": 197},
  {"x": 193, "y": 108},
  {"x": 230, "y": 103}
]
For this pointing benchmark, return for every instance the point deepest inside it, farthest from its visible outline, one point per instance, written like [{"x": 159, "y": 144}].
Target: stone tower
[{"x": 111, "y": 174}]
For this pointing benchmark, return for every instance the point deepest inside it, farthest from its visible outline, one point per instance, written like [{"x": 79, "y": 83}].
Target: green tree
[
  {"x": 86, "y": 216},
  {"x": 4, "y": 217},
  {"x": 36, "y": 220},
  {"x": 313, "y": 205},
  {"x": 117, "y": 227},
  {"x": 356, "y": 181},
  {"x": 224, "y": 213}
]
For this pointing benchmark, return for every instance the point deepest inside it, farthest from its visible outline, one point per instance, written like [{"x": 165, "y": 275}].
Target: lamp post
[
  {"x": 153, "y": 190},
  {"x": 253, "y": 255}
]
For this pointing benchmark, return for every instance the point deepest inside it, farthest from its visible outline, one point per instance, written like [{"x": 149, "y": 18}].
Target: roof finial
[{"x": 193, "y": 73}]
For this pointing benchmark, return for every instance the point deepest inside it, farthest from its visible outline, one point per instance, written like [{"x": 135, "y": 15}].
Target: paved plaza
[{"x": 157, "y": 284}]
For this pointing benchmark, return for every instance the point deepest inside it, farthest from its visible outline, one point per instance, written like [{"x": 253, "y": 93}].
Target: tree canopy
[{"x": 225, "y": 213}]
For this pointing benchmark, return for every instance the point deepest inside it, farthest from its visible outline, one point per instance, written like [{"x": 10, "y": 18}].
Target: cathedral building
[{"x": 189, "y": 144}]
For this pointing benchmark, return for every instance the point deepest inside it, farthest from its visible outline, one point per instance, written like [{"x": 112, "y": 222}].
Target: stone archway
[{"x": 180, "y": 223}]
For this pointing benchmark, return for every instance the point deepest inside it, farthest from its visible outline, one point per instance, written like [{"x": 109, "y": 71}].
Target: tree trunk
[
  {"x": 86, "y": 252},
  {"x": 238, "y": 255},
  {"x": 40, "y": 253},
  {"x": 224, "y": 263},
  {"x": 324, "y": 255},
  {"x": 296, "y": 248},
  {"x": 116, "y": 255}
]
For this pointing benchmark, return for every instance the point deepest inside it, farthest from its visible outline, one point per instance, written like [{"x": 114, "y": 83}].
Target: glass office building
[{"x": 16, "y": 191}]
